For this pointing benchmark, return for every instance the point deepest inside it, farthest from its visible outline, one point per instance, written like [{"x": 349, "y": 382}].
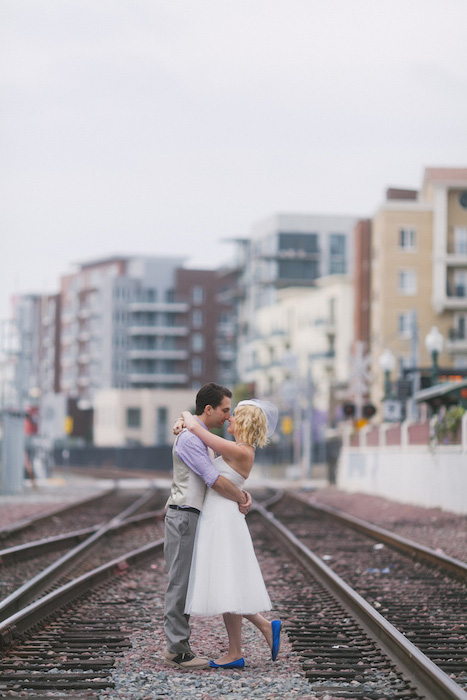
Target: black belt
[{"x": 188, "y": 508}]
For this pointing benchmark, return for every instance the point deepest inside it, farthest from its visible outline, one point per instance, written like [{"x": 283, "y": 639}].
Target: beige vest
[{"x": 188, "y": 489}]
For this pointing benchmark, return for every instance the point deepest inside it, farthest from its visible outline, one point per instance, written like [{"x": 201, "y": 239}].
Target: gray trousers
[{"x": 180, "y": 530}]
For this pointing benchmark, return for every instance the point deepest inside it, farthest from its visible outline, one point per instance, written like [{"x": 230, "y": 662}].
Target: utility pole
[
  {"x": 308, "y": 426},
  {"x": 414, "y": 362},
  {"x": 359, "y": 377}
]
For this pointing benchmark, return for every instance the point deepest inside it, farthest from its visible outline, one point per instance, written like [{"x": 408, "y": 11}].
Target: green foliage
[{"x": 446, "y": 428}]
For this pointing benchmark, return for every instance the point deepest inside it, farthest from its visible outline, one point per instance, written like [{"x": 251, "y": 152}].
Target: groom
[{"x": 193, "y": 472}]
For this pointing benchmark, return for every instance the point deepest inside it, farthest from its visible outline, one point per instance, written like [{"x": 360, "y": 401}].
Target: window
[
  {"x": 307, "y": 242},
  {"x": 403, "y": 324},
  {"x": 460, "y": 241},
  {"x": 197, "y": 295},
  {"x": 225, "y": 317},
  {"x": 332, "y": 309},
  {"x": 460, "y": 283},
  {"x": 407, "y": 282},
  {"x": 337, "y": 243},
  {"x": 161, "y": 426},
  {"x": 337, "y": 253},
  {"x": 460, "y": 329},
  {"x": 196, "y": 366},
  {"x": 298, "y": 269},
  {"x": 407, "y": 239},
  {"x": 197, "y": 318},
  {"x": 197, "y": 342},
  {"x": 133, "y": 418}
]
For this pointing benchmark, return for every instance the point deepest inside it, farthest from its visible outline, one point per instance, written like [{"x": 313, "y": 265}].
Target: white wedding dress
[{"x": 225, "y": 574}]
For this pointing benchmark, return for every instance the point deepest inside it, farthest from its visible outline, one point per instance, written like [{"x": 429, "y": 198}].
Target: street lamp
[
  {"x": 434, "y": 342},
  {"x": 387, "y": 362}
]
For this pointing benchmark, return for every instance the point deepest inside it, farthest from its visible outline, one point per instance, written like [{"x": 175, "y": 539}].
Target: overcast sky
[{"x": 162, "y": 126}]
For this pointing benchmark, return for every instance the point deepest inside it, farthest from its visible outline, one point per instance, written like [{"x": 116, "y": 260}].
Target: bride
[{"x": 225, "y": 577}]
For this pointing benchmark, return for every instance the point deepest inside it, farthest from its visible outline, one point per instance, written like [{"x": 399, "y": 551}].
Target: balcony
[
  {"x": 84, "y": 359},
  {"x": 457, "y": 341},
  {"x": 157, "y": 378},
  {"x": 84, "y": 313},
  {"x": 179, "y": 307},
  {"x": 456, "y": 260},
  {"x": 226, "y": 354},
  {"x": 157, "y": 354},
  {"x": 158, "y": 330}
]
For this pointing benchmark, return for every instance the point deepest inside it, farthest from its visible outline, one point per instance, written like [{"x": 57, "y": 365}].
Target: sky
[{"x": 164, "y": 127}]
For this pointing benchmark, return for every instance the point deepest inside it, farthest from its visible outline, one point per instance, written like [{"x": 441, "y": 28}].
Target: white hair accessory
[{"x": 268, "y": 408}]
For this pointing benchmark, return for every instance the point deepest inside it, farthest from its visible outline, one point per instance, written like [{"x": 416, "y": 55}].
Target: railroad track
[
  {"x": 425, "y": 604},
  {"x": 84, "y": 513},
  {"x": 29, "y": 570},
  {"x": 69, "y": 639}
]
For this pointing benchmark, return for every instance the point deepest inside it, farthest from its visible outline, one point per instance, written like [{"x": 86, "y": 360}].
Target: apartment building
[
  {"x": 134, "y": 323},
  {"x": 22, "y": 347},
  {"x": 300, "y": 353},
  {"x": 210, "y": 324},
  {"x": 287, "y": 250},
  {"x": 419, "y": 273},
  {"x": 49, "y": 367},
  {"x": 362, "y": 277}
]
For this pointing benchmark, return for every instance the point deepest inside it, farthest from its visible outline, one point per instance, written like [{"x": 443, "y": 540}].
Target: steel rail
[
  {"x": 24, "y": 523},
  {"x": 414, "y": 549},
  {"x": 36, "y": 612},
  {"x": 272, "y": 500},
  {"x": 36, "y": 585},
  {"x": 35, "y": 548},
  {"x": 428, "y": 677}
]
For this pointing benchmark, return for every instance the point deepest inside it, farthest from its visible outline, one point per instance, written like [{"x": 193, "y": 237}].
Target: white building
[
  {"x": 138, "y": 416},
  {"x": 288, "y": 250},
  {"x": 301, "y": 346}
]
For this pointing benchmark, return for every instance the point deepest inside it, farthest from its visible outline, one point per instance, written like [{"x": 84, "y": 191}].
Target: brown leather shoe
[{"x": 186, "y": 662}]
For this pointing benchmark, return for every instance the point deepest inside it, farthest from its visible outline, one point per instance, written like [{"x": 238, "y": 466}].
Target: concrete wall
[{"x": 412, "y": 475}]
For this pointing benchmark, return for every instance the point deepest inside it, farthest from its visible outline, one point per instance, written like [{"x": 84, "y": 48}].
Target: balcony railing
[
  {"x": 143, "y": 354},
  {"x": 157, "y": 378},
  {"x": 158, "y": 330},
  {"x": 158, "y": 306}
]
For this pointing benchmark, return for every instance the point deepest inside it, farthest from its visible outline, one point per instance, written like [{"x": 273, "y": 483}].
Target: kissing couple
[{"x": 211, "y": 563}]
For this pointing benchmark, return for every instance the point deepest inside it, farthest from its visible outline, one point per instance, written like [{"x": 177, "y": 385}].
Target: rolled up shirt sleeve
[{"x": 191, "y": 450}]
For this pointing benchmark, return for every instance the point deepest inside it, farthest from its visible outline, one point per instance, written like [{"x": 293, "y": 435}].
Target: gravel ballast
[
  {"x": 433, "y": 527},
  {"x": 140, "y": 674}
]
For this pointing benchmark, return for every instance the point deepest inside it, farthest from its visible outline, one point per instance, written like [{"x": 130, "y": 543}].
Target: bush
[{"x": 446, "y": 428}]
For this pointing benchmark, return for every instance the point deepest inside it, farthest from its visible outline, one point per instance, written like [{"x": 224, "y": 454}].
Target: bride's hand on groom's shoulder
[
  {"x": 178, "y": 426},
  {"x": 188, "y": 419}
]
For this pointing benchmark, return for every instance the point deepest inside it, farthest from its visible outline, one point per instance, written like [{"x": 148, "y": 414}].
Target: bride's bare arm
[{"x": 227, "y": 448}]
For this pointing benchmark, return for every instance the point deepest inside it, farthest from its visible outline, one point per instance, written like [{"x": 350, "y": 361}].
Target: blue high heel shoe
[
  {"x": 238, "y": 663},
  {"x": 276, "y": 626}
]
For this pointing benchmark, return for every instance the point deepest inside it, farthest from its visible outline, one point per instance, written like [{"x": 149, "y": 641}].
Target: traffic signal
[
  {"x": 349, "y": 410},
  {"x": 368, "y": 410}
]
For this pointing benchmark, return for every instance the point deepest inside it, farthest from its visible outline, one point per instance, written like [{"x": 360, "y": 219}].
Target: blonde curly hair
[{"x": 251, "y": 425}]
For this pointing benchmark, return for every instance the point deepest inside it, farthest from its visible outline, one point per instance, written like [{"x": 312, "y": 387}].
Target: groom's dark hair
[{"x": 210, "y": 395}]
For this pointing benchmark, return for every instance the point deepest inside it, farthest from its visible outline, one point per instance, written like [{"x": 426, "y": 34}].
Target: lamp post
[
  {"x": 387, "y": 362},
  {"x": 434, "y": 342}
]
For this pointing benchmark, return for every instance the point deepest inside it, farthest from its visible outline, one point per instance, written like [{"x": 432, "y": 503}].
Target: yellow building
[{"x": 419, "y": 274}]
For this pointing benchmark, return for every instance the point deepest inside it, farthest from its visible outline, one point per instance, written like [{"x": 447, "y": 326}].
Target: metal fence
[
  {"x": 135, "y": 458},
  {"x": 12, "y": 465}
]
